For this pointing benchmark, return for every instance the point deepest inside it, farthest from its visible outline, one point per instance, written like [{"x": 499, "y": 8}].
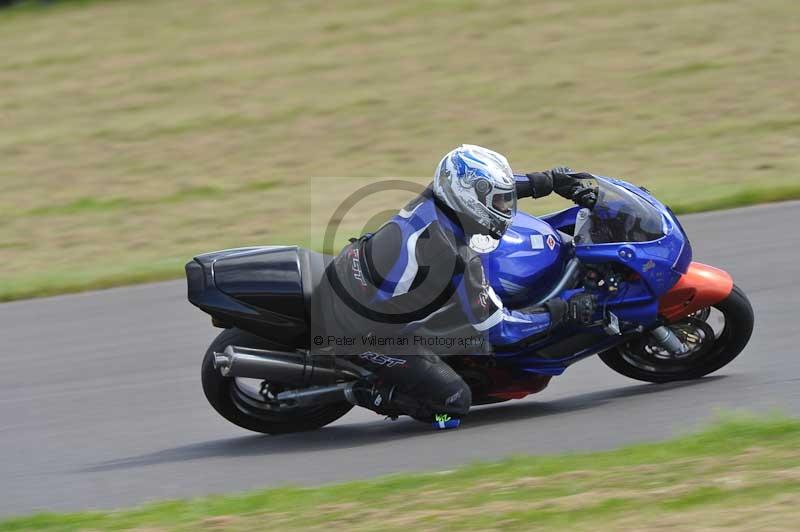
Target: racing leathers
[{"x": 396, "y": 300}]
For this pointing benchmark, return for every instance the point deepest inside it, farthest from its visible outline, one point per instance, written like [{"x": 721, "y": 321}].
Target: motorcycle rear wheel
[
  {"x": 246, "y": 409},
  {"x": 639, "y": 360}
]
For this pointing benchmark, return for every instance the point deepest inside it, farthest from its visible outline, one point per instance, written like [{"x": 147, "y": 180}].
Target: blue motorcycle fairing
[
  {"x": 562, "y": 220},
  {"x": 528, "y": 261},
  {"x": 654, "y": 266}
]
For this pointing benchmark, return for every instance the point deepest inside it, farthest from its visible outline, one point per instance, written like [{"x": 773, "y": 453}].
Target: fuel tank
[{"x": 528, "y": 261}]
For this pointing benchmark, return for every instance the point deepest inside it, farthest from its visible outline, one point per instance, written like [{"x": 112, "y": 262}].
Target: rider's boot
[
  {"x": 386, "y": 400},
  {"x": 376, "y": 397}
]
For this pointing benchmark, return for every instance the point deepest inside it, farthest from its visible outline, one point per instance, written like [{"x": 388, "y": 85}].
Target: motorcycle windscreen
[{"x": 618, "y": 216}]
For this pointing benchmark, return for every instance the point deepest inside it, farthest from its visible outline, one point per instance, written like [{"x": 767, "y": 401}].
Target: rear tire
[
  {"x": 738, "y": 327},
  {"x": 222, "y": 393}
]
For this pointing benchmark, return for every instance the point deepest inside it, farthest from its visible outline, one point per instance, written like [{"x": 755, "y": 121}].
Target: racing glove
[
  {"x": 563, "y": 181},
  {"x": 571, "y": 185},
  {"x": 578, "y": 310}
]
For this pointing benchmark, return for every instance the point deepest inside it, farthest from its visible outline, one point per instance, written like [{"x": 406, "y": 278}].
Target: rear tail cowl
[{"x": 259, "y": 290}]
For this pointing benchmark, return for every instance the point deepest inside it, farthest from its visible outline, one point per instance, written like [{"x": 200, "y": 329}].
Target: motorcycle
[{"x": 663, "y": 317}]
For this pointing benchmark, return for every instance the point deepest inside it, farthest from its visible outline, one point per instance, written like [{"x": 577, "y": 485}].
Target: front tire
[
  {"x": 232, "y": 403},
  {"x": 638, "y": 361}
]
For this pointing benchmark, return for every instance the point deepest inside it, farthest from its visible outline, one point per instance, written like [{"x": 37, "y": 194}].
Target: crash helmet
[{"x": 477, "y": 186}]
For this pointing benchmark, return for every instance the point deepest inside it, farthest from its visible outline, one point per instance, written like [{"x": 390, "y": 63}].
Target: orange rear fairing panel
[{"x": 700, "y": 287}]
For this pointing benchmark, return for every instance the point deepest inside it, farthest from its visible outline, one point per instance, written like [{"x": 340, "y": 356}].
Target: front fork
[
  {"x": 699, "y": 288},
  {"x": 668, "y": 340}
]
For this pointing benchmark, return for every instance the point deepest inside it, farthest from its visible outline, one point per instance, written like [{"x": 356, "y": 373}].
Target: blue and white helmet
[{"x": 478, "y": 185}]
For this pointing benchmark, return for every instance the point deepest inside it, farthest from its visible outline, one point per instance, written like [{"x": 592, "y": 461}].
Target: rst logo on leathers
[
  {"x": 483, "y": 296},
  {"x": 487, "y": 296},
  {"x": 356, "y": 266},
  {"x": 382, "y": 360}
]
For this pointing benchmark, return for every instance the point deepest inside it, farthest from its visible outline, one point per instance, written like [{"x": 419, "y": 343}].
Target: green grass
[
  {"x": 739, "y": 198},
  {"x": 741, "y": 474},
  {"x": 137, "y": 133}
]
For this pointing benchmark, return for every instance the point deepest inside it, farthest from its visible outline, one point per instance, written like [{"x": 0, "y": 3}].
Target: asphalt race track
[{"x": 101, "y": 406}]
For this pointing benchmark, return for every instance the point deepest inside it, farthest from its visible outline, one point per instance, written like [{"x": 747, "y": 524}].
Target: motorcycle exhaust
[{"x": 278, "y": 366}]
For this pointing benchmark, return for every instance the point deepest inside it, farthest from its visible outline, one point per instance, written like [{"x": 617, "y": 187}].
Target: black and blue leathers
[{"x": 397, "y": 299}]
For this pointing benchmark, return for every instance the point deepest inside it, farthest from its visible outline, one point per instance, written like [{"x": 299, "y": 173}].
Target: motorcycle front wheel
[
  {"x": 715, "y": 336},
  {"x": 242, "y": 402}
]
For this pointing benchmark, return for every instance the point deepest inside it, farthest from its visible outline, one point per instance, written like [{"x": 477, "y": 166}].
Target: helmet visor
[{"x": 504, "y": 203}]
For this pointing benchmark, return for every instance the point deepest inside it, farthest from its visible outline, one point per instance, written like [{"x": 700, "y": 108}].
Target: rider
[{"x": 417, "y": 275}]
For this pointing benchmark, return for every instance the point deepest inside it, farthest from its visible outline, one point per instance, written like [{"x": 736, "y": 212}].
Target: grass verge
[
  {"x": 134, "y": 131},
  {"x": 50, "y": 283},
  {"x": 741, "y": 474}
]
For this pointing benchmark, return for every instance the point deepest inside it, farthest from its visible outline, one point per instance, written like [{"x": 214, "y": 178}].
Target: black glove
[
  {"x": 577, "y": 310},
  {"x": 569, "y": 185},
  {"x": 581, "y": 308},
  {"x": 560, "y": 173}
]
